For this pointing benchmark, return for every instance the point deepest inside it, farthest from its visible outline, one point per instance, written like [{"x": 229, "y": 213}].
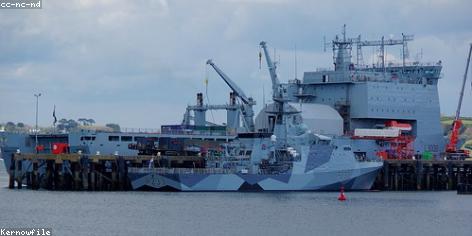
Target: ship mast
[{"x": 280, "y": 101}]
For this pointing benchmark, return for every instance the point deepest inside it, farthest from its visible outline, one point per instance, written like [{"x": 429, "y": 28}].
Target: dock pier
[
  {"x": 412, "y": 175},
  {"x": 73, "y": 171},
  {"x": 109, "y": 172}
]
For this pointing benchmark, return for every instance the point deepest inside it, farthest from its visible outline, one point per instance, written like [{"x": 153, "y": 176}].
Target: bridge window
[
  {"x": 87, "y": 138},
  {"x": 114, "y": 138},
  {"x": 325, "y": 78},
  {"x": 126, "y": 138},
  {"x": 360, "y": 156}
]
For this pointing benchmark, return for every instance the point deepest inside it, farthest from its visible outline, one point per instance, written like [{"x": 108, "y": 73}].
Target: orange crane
[{"x": 451, "y": 148}]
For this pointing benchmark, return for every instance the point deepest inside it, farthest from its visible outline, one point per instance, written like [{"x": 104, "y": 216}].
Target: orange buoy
[{"x": 342, "y": 197}]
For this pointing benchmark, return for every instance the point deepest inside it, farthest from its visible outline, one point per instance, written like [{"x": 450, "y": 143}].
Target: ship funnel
[{"x": 199, "y": 99}]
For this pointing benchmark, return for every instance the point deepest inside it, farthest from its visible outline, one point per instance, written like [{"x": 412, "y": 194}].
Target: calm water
[{"x": 294, "y": 213}]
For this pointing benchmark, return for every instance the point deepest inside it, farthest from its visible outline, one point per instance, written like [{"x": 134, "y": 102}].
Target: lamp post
[{"x": 36, "y": 126}]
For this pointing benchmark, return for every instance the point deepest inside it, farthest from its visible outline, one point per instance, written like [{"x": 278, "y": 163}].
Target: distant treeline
[
  {"x": 447, "y": 118},
  {"x": 62, "y": 125}
]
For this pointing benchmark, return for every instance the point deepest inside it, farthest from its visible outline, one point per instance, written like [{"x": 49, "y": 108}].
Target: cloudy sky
[{"x": 139, "y": 63}]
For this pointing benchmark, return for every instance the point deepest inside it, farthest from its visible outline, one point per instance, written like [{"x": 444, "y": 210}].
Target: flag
[{"x": 54, "y": 115}]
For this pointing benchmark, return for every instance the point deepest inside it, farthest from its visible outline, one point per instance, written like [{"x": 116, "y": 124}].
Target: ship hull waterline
[{"x": 350, "y": 179}]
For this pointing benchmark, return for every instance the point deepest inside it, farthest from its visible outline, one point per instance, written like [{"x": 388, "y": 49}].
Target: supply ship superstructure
[{"x": 371, "y": 97}]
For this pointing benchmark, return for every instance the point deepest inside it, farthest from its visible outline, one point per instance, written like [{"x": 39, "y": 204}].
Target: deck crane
[
  {"x": 272, "y": 71},
  {"x": 247, "y": 102},
  {"x": 451, "y": 148}
]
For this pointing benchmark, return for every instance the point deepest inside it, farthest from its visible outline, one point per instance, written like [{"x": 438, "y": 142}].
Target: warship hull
[{"x": 316, "y": 180}]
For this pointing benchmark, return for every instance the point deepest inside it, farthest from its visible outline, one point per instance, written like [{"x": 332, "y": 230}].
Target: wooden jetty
[
  {"x": 109, "y": 172},
  {"x": 84, "y": 172},
  {"x": 409, "y": 175}
]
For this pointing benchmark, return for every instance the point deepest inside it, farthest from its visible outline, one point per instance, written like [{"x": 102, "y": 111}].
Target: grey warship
[{"x": 291, "y": 158}]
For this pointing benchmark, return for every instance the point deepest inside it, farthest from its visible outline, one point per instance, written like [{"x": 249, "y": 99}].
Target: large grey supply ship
[
  {"x": 325, "y": 131},
  {"x": 370, "y": 96}
]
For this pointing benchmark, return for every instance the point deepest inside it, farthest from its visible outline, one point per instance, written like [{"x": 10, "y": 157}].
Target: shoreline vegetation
[
  {"x": 62, "y": 125},
  {"x": 68, "y": 125}
]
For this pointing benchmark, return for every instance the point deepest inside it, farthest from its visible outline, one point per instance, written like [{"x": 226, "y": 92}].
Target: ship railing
[
  {"x": 397, "y": 65},
  {"x": 140, "y": 130},
  {"x": 415, "y": 63},
  {"x": 198, "y": 132},
  {"x": 161, "y": 170},
  {"x": 16, "y": 131}
]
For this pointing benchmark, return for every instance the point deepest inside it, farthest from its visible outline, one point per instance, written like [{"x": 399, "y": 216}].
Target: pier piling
[
  {"x": 35, "y": 178},
  {"x": 19, "y": 174},
  {"x": 110, "y": 172},
  {"x": 11, "y": 172},
  {"x": 408, "y": 175}
]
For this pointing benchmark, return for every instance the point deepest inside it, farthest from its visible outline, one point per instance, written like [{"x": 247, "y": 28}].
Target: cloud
[{"x": 141, "y": 62}]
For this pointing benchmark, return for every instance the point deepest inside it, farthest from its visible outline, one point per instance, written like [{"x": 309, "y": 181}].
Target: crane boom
[
  {"x": 457, "y": 123},
  {"x": 459, "y": 105},
  {"x": 248, "y": 102},
  {"x": 272, "y": 69},
  {"x": 239, "y": 92}
]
